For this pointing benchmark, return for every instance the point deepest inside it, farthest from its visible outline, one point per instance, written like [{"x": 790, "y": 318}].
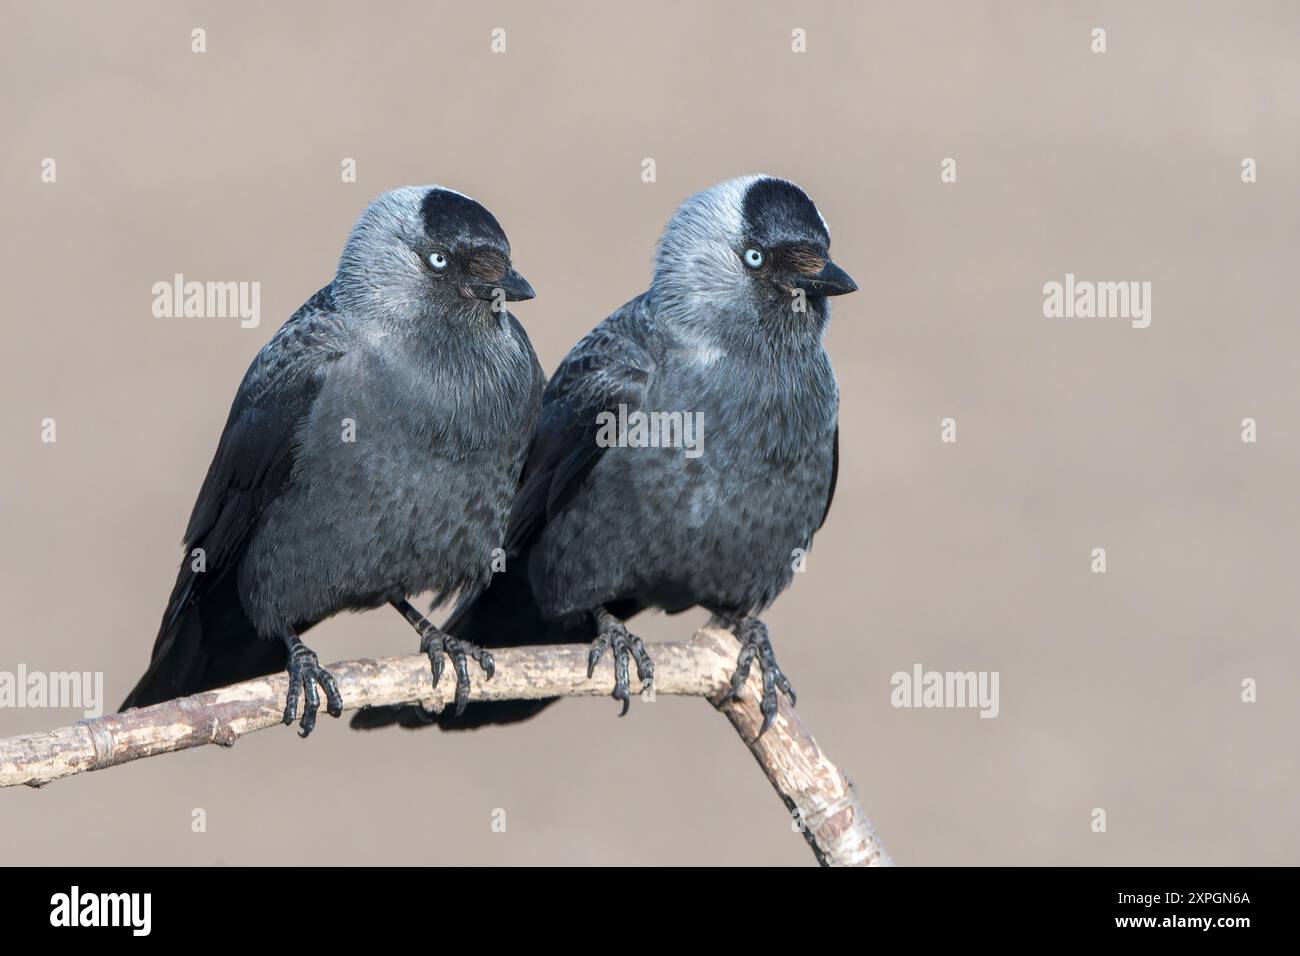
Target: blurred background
[{"x": 1119, "y": 691}]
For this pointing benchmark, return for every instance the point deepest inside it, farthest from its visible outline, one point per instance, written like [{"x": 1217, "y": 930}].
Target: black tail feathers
[{"x": 204, "y": 642}]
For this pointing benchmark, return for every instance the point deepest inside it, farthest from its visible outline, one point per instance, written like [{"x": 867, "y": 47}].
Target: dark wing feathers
[
  {"x": 608, "y": 368},
  {"x": 252, "y": 465},
  {"x": 835, "y": 477},
  {"x": 255, "y": 455}
]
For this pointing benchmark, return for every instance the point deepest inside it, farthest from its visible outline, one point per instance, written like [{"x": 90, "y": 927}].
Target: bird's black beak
[
  {"x": 832, "y": 280},
  {"x": 512, "y": 285},
  {"x": 515, "y": 287}
]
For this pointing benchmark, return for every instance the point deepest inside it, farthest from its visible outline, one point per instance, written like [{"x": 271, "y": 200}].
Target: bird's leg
[
  {"x": 434, "y": 642},
  {"x": 754, "y": 643},
  {"x": 305, "y": 673},
  {"x": 627, "y": 647}
]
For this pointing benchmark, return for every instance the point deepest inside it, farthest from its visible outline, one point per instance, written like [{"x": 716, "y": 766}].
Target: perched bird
[
  {"x": 371, "y": 454},
  {"x": 729, "y": 336}
]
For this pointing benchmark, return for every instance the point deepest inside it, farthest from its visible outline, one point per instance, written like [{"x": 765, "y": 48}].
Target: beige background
[{"x": 1119, "y": 691}]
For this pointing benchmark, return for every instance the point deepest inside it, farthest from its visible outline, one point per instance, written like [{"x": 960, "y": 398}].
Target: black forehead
[
  {"x": 777, "y": 211},
  {"x": 449, "y": 216}
]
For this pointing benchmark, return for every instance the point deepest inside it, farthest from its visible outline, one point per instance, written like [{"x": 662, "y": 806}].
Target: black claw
[
  {"x": 743, "y": 663},
  {"x": 432, "y": 646},
  {"x": 785, "y": 688},
  {"x": 462, "y": 681},
  {"x": 305, "y": 673},
  {"x": 755, "y": 644},
  {"x": 627, "y": 647},
  {"x": 645, "y": 668},
  {"x": 597, "y": 652},
  {"x": 435, "y": 644},
  {"x": 333, "y": 699},
  {"x": 622, "y": 664},
  {"x": 310, "y": 708}
]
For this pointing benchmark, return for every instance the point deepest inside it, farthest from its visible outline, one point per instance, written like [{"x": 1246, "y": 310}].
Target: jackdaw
[
  {"x": 729, "y": 337},
  {"x": 371, "y": 454}
]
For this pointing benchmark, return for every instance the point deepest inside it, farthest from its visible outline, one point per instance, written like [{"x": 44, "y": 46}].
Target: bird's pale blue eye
[
  {"x": 754, "y": 258},
  {"x": 438, "y": 260}
]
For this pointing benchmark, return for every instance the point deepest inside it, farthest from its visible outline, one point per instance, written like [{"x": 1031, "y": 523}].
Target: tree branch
[{"x": 819, "y": 797}]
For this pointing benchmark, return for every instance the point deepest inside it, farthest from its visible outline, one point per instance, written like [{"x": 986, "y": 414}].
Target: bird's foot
[
  {"x": 305, "y": 673},
  {"x": 435, "y": 643},
  {"x": 754, "y": 643},
  {"x": 627, "y": 648}
]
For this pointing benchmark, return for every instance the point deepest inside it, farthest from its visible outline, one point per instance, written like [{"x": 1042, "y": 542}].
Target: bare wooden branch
[{"x": 820, "y": 798}]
